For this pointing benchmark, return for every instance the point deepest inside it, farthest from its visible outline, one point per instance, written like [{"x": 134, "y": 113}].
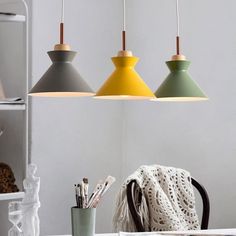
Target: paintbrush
[
  {"x": 105, "y": 186},
  {"x": 86, "y": 186}
]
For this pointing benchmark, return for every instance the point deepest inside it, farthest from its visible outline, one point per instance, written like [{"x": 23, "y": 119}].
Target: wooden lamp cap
[
  {"x": 178, "y": 58},
  {"x": 62, "y": 47},
  {"x": 125, "y": 54}
]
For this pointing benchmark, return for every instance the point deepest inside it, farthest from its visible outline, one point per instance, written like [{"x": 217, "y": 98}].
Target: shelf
[
  {"x": 13, "y": 107},
  {"x": 12, "y": 18},
  {"x": 11, "y": 196}
]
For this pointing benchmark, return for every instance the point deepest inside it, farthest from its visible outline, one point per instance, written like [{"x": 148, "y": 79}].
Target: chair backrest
[{"x": 137, "y": 220}]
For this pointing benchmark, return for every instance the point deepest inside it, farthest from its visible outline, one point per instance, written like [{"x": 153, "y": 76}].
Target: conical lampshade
[
  {"x": 124, "y": 83},
  {"x": 61, "y": 79},
  {"x": 178, "y": 86}
]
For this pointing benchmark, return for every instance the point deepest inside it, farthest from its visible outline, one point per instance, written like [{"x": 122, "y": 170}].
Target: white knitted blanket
[{"x": 167, "y": 204}]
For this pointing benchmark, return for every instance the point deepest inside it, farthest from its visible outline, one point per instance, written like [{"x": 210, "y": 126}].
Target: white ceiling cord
[
  {"x": 178, "y": 30},
  {"x": 62, "y": 22},
  {"x": 124, "y": 15},
  {"x": 177, "y": 17},
  {"x": 124, "y": 27},
  {"x": 62, "y": 11}
]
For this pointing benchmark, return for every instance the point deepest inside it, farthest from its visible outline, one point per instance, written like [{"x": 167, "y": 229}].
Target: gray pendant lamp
[
  {"x": 178, "y": 86},
  {"x": 61, "y": 79}
]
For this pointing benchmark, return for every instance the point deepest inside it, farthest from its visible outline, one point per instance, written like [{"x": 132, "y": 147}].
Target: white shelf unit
[
  {"x": 13, "y": 107},
  {"x": 11, "y": 196},
  {"x": 15, "y": 20},
  {"x": 12, "y": 18},
  {"x": 14, "y": 67}
]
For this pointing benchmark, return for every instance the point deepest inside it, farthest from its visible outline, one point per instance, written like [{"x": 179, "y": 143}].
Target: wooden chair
[{"x": 140, "y": 228}]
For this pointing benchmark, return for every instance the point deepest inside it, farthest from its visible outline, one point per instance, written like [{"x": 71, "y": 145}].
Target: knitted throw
[{"x": 168, "y": 202}]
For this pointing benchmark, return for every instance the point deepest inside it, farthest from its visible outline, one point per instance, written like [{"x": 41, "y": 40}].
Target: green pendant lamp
[
  {"x": 61, "y": 79},
  {"x": 125, "y": 83},
  {"x": 178, "y": 86}
]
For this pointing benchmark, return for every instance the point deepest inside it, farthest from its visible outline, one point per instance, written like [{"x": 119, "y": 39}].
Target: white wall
[
  {"x": 76, "y": 137},
  {"x": 12, "y": 67},
  {"x": 195, "y": 136}
]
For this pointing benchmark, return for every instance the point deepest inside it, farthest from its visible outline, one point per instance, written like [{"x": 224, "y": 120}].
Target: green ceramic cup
[{"x": 83, "y": 221}]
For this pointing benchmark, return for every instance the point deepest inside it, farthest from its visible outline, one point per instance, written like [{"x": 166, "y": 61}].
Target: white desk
[{"x": 195, "y": 232}]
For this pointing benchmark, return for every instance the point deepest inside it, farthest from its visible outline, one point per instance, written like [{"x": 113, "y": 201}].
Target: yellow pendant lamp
[{"x": 124, "y": 83}]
